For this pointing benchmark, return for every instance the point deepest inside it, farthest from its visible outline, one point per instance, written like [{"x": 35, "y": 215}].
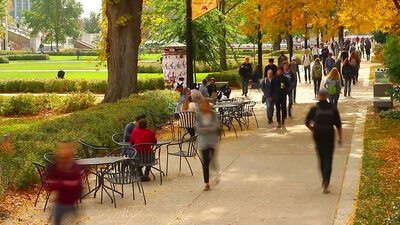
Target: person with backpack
[
  {"x": 348, "y": 74},
  {"x": 321, "y": 120},
  {"x": 245, "y": 72},
  {"x": 306, "y": 61},
  {"x": 329, "y": 63},
  {"x": 278, "y": 91},
  {"x": 266, "y": 88},
  {"x": 368, "y": 46},
  {"x": 334, "y": 86},
  {"x": 324, "y": 55},
  {"x": 292, "y": 78},
  {"x": 362, "y": 49},
  {"x": 316, "y": 74},
  {"x": 355, "y": 62}
]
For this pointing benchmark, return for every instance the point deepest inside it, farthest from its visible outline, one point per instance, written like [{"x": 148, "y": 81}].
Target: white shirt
[{"x": 306, "y": 60}]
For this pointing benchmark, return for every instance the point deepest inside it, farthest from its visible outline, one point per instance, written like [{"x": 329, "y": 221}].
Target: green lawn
[
  {"x": 8, "y": 125},
  {"x": 379, "y": 185},
  {"x": 50, "y": 65}
]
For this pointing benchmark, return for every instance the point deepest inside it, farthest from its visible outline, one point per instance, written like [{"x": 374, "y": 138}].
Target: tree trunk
[
  {"x": 318, "y": 40},
  {"x": 222, "y": 43},
  {"x": 276, "y": 46},
  {"x": 259, "y": 45},
  {"x": 289, "y": 42},
  {"x": 122, "y": 48},
  {"x": 341, "y": 36}
]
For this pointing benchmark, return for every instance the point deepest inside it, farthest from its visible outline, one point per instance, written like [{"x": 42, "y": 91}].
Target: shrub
[
  {"x": 232, "y": 76},
  {"x": 28, "y": 57},
  {"x": 27, "y": 104},
  {"x": 395, "y": 92},
  {"x": 4, "y": 59},
  {"x": 15, "y": 52},
  {"x": 72, "y": 52},
  {"x": 95, "y": 125},
  {"x": 151, "y": 84},
  {"x": 391, "y": 114},
  {"x": 391, "y": 54},
  {"x": 60, "y": 86}
]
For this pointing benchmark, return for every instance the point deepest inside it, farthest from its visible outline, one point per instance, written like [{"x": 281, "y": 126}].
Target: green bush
[
  {"x": 95, "y": 125},
  {"x": 72, "y": 52},
  {"x": 4, "y": 59},
  {"x": 28, "y": 57},
  {"x": 391, "y": 114},
  {"x": 15, "y": 52},
  {"x": 27, "y": 104},
  {"x": 232, "y": 76},
  {"x": 391, "y": 55}
]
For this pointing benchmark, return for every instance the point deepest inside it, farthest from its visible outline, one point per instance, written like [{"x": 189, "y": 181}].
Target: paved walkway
[{"x": 268, "y": 176}]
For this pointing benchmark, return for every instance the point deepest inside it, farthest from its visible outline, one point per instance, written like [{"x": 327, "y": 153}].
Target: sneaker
[
  {"x": 279, "y": 125},
  {"x": 270, "y": 121},
  {"x": 207, "y": 187}
]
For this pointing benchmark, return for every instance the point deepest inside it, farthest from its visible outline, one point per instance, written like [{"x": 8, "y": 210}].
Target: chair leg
[
  {"x": 133, "y": 191},
  {"x": 191, "y": 171},
  {"x": 234, "y": 129},
  {"x": 38, "y": 194},
  {"x": 144, "y": 196},
  {"x": 180, "y": 163},
  {"x": 47, "y": 200},
  {"x": 159, "y": 164},
  {"x": 122, "y": 188},
  {"x": 166, "y": 172},
  {"x": 113, "y": 195},
  {"x": 255, "y": 117}
]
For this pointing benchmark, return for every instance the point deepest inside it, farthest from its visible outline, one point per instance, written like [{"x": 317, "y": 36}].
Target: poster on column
[{"x": 174, "y": 67}]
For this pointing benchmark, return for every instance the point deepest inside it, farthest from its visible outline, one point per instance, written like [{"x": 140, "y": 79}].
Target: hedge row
[
  {"x": 95, "y": 125},
  {"x": 15, "y": 52},
  {"x": 72, "y": 52},
  {"x": 68, "y": 86},
  {"x": 8, "y": 58},
  {"x": 232, "y": 76},
  {"x": 27, "y": 104},
  {"x": 156, "y": 67}
]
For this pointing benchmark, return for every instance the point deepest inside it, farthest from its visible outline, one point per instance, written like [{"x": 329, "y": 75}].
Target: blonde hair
[
  {"x": 334, "y": 74},
  {"x": 185, "y": 104}
]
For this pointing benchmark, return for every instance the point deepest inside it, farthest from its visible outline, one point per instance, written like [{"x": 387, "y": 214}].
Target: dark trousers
[
  {"x": 325, "y": 155},
  {"x": 347, "y": 87},
  {"x": 334, "y": 99},
  {"x": 317, "y": 85},
  {"x": 245, "y": 86},
  {"x": 290, "y": 101},
  {"x": 146, "y": 171},
  {"x": 61, "y": 210},
  {"x": 281, "y": 111},
  {"x": 368, "y": 53},
  {"x": 207, "y": 155},
  {"x": 307, "y": 73}
]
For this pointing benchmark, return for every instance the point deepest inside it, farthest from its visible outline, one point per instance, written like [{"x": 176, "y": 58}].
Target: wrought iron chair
[
  {"x": 43, "y": 174},
  {"x": 148, "y": 155},
  {"x": 122, "y": 173},
  {"x": 187, "y": 148},
  {"x": 118, "y": 138},
  {"x": 187, "y": 120},
  {"x": 91, "y": 151},
  {"x": 249, "y": 112}
]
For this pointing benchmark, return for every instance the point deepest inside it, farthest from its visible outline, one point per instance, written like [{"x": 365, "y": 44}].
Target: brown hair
[
  {"x": 346, "y": 62},
  {"x": 334, "y": 74},
  {"x": 143, "y": 124},
  {"x": 185, "y": 104},
  {"x": 317, "y": 61}
]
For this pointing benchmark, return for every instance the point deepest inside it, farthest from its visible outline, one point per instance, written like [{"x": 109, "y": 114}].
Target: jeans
[
  {"x": 294, "y": 93},
  {"x": 317, "y": 85},
  {"x": 347, "y": 87},
  {"x": 207, "y": 155},
  {"x": 307, "y": 73},
  {"x": 270, "y": 109},
  {"x": 368, "y": 53},
  {"x": 281, "y": 111},
  {"x": 245, "y": 86},
  {"x": 333, "y": 99},
  {"x": 325, "y": 155},
  {"x": 290, "y": 102},
  {"x": 61, "y": 210}
]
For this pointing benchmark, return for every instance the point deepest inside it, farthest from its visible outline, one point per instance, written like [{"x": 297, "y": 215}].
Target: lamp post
[{"x": 189, "y": 43}]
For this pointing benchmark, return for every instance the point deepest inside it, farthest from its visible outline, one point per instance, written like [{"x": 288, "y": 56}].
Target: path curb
[{"x": 346, "y": 206}]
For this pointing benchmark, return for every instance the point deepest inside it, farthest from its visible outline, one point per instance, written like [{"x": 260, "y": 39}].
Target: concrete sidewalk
[{"x": 267, "y": 176}]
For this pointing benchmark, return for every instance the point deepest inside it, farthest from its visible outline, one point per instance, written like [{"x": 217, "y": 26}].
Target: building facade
[{"x": 18, "y": 7}]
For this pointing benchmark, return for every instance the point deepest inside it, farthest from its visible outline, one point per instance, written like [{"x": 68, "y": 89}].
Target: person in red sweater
[
  {"x": 65, "y": 179},
  {"x": 142, "y": 135}
]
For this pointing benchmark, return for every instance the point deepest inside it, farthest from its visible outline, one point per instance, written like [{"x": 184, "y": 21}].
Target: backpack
[
  {"x": 333, "y": 87},
  {"x": 179, "y": 87},
  {"x": 323, "y": 121}
]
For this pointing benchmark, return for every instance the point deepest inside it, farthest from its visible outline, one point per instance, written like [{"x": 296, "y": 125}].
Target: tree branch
[
  {"x": 236, "y": 4},
  {"x": 397, "y": 4}
]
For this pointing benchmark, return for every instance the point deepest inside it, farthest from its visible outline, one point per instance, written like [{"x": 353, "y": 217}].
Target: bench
[{"x": 382, "y": 98}]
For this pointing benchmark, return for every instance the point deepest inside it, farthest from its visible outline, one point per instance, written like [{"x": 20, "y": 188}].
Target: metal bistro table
[{"x": 99, "y": 161}]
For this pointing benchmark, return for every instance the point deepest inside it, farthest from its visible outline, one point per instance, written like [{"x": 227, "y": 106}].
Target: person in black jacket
[
  {"x": 278, "y": 92},
  {"x": 368, "y": 48},
  {"x": 321, "y": 120},
  {"x": 324, "y": 55},
  {"x": 348, "y": 75},
  {"x": 270, "y": 66},
  {"x": 292, "y": 79},
  {"x": 245, "y": 72}
]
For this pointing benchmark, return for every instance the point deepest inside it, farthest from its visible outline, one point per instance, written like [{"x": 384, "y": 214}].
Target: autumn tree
[{"x": 122, "y": 39}]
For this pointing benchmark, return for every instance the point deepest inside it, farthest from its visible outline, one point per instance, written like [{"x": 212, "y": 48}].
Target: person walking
[
  {"x": 207, "y": 126},
  {"x": 321, "y": 120},
  {"x": 324, "y": 55},
  {"x": 355, "y": 62},
  {"x": 348, "y": 73},
  {"x": 368, "y": 46},
  {"x": 329, "y": 63},
  {"x": 294, "y": 68},
  {"x": 270, "y": 66},
  {"x": 282, "y": 58},
  {"x": 266, "y": 88},
  {"x": 334, "y": 86},
  {"x": 204, "y": 88},
  {"x": 292, "y": 84},
  {"x": 306, "y": 61},
  {"x": 278, "y": 92},
  {"x": 245, "y": 72},
  {"x": 317, "y": 76},
  {"x": 315, "y": 52},
  {"x": 362, "y": 49}
]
